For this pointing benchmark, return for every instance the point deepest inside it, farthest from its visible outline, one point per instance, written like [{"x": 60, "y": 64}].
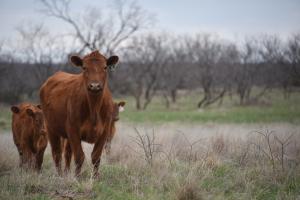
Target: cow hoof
[
  {"x": 66, "y": 172},
  {"x": 96, "y": 176}
]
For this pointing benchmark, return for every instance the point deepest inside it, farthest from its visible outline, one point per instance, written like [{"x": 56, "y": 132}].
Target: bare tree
[
  {"x": 293, "y": 57},
  {"x": 272, "y": 51},
  {"x": 147, "y": 56},
  {"x": 11, "y": 77},
  {"x": 246, "y": 72},
  {"x": 95, "y": 31},
  {"x": 206, "y": 54},
  {"x": 175, "y": 71},
  {"x": 38, "y": 48},
  {"x": 2, "y": 59}
]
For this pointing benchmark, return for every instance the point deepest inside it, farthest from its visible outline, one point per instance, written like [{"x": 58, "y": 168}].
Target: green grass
[
  {"x": 5, "y": 117},
  {"x": 122, "y": 183},
  {"x": 276, "y": 110}
]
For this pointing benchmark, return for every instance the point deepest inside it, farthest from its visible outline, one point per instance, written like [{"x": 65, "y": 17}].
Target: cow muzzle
[
  {"x": 95, "y": 87},
  {"x": 43, "y": 131}
]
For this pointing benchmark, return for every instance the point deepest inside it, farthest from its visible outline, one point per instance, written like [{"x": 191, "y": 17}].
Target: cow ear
[
  {"x": 121, "y": 106},
  {"x": 76, "y": 61},
  {"x": 15, "y": 109},
  {"x": 39, "y": 106},
  {"x": 112, "y": 62},
  {"x": 30, "y": 112}
]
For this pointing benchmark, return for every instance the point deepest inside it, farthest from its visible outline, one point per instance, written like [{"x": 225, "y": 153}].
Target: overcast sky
[{"x": 230, "y": 19}]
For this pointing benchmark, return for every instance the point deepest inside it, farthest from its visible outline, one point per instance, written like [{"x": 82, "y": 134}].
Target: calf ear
[
  {"x": 39, "y": 106},
  {"x": 121, "y": 103},
  {"x": 76, "y": 61},
  {"x": 15, "y": 109},
  {"x": 30, "y": 112},
  {"x": 121, "y": 106},
  {"x": 112, "y": 62}
]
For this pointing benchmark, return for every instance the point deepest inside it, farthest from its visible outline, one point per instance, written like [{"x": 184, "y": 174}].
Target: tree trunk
[
  {"x": 138, "y": 102},
  {"x": 167, "y": 101},
  {"x": 174, "y": 95}
]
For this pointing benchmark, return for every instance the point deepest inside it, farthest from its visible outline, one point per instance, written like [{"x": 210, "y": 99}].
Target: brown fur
[
  {"x": 113, "y": 127},
  {"x": 29, "y": 134},
  {"x": 75, "y": 112},
  {"x": 66, "y": 148}
]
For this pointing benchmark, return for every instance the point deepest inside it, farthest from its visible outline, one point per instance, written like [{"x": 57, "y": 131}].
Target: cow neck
[{"x": 95, "y": 104}]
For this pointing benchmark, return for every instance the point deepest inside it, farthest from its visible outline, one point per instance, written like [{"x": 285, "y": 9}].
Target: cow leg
[
  {"x": 67, "y": 155},
  {"x": 97, "y": 151},
  {"x": 56, "y": 151},
  {"x": 78, "y": 157},
  {"x": 96, "y": 156},
  {"x": 76, "y": 148}
]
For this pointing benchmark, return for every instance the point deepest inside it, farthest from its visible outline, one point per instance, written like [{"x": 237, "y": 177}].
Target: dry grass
[{"x": 172, "y": 161}]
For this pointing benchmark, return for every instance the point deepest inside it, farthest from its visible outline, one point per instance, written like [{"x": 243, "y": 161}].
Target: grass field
[
  {"x": 205, "y": 162},
  {"x": 273, "y": 109},
  {"x": 221, "y": 152}
]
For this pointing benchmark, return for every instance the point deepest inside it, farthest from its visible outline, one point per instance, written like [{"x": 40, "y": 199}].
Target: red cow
[
  {"x": 29, "y": 134},
  {"x": 79, "y": 107}
]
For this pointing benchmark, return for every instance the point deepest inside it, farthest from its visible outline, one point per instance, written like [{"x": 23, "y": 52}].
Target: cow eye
[
  {"x": 84, "y": 68},
  {"x": 105, "y": 68}
]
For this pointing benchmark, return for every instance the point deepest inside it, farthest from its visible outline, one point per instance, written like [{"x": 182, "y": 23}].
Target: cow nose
[
  {"x": 43, "y": 131},
  {"x": 95, "y": 86}
]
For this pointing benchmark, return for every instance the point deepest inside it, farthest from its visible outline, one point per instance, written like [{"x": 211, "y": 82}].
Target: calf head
[
  {"x": 36, "y": 113},
  {"x": 94, "y": 66},
  {"x": 118, "y": 107}
]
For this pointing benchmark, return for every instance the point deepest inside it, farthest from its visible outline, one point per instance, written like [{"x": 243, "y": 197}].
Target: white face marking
[{"x": 121, "y": 109}]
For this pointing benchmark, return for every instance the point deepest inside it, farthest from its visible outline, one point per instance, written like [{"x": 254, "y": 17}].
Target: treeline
[
  {"x": 152, "y": 64},
  {"x": 162, "y": 64}
]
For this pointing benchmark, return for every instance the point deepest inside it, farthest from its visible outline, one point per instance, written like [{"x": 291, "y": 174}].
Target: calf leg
[
  {"x": 107, "y": 147},
  {"x": 39, "y": 159},
  {"x": 20, "y": 154},
  {"x": 27, "y": 158},
  {"x": 109, "y": 139}
]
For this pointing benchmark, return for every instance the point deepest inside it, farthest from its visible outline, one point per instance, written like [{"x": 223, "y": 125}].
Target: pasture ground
[
  {"x": 221, "y": 152},
  {"x": 188, "y": 161}
]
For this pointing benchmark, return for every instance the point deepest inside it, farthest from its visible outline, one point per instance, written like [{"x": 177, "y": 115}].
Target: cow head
[
  {"x": 118, "y": 107},
  {"x": 94, "y": 66},
  {"x": 36, "y": 113}
]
